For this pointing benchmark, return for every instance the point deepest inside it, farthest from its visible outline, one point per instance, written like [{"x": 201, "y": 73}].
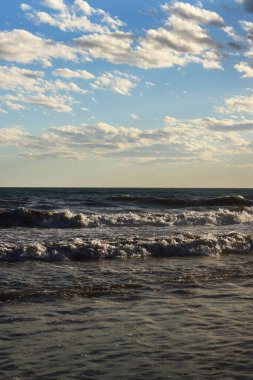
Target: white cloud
[
  {"x": 55, "y": 102},
  {"x": 224, "y": 125},
  {"x": 116, "y": 81},
  {"x": 183, "y": 38},
  {"x": 248, "y": 27},
  {"x": 21, "y": 46},
  {"x": 68, "y": 86},
  {"x": 180, "y": 41},
  {"x": 54, "y": 154},
  {"x": 14, "y": 136},
  {"x": 85, "y": 7},
  {"x": 67, "y": 73},
  {"x": 55, "y": 4},
  {"x": 14, "y": 106},
  {"x": 245, "y": 69},
  {"x": 23, "y": 86},
  {"x": 33, "y": 147},
  {"x": 193, "y": 13},
  {"x": 169, "y": 119},
  {"x": 116, "y": 47},
  {"x": 218, "y": 137},
  {"x": 229, "y": 30},
  {"x": 188, "y": 140},
  {"x": 239, "y": 104},
  {"x": 25, "y": 7},
  {"x": 78, "y": 16},
  {"x": 12, "y": 77}
]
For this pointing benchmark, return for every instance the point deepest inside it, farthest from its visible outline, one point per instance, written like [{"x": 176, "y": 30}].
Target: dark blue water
[{"x": 97, "y": 199}]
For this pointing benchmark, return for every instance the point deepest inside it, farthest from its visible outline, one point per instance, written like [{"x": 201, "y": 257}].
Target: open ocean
[{"x": 126, "y": 283}]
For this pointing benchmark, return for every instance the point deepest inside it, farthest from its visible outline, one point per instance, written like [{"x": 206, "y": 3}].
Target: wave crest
[
  {"x": 178, "y": 245},
  {"x": 23, "y": 217}
]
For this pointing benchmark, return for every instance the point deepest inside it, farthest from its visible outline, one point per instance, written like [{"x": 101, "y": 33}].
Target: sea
[{"x": 126, "y": 283}]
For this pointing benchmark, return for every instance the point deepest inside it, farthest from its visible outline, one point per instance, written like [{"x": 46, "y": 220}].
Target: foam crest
[
  {"x": 185, "y": 245},
  {"x": 29, "y": 218}
]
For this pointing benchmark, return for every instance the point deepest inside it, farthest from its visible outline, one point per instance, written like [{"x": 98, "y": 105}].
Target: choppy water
[{"x": 126, "y": 283}]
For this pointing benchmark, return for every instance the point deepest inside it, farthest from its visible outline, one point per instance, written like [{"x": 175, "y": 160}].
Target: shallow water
[
  {"x": 142, "y": 318},
  {"x": 121, "y": 301}
]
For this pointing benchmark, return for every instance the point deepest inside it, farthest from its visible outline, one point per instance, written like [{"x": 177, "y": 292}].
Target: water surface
[{"x": 129, "y": 283}]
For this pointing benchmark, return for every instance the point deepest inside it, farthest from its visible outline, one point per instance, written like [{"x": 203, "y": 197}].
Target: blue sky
[{"x": 126, "y": 93}]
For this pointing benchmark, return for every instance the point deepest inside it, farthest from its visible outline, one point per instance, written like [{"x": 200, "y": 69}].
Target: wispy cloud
[
  {"x": 77, "y": 16},
  {"x": 54, "y": 102},
  {"x": 116, "y": 81},
  {"x": 67, "y": 73}
]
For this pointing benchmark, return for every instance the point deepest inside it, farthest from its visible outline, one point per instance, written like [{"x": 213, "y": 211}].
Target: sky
[{"x": 126, "y": 93}]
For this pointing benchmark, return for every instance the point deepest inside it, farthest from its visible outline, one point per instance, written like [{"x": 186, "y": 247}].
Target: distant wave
[
  {"x": 235, "y": 200},
  {"x": 185, "y": 245},
  {"x": 29, "y": 218}
]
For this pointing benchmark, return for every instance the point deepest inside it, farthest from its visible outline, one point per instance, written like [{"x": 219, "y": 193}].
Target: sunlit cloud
[
  {"x": 77, "y": 16},
  {"x": 68, "y": 74},
  {"x": 34, "y": 48},
  {"x": 180, "y": 41},
  {"x": 116, "y": 81},
  {"x": 237, "y": 104},
  {"x": 245, "y": 68},
  {"x": 188, "y": 140}
]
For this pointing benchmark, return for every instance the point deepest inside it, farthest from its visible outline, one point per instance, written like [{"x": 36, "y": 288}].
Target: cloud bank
[{"x": 208, "y": 139}]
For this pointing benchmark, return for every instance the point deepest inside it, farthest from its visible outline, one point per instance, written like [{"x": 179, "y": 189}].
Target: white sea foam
[
  {"x": 88, "y": 249},
  {"x": 23, "y": 217}
]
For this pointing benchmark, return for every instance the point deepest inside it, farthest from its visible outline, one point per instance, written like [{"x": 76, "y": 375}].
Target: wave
[
  {"x": 24, "y": 217},
  {"x": 234, "y": 200},
  {"x": 185, "y": 245}
]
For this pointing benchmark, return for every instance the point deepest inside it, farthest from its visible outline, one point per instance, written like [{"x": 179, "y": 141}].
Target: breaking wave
[
  {"x": 24, "y": 217},
  {"x": 186, "y": 245}
]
